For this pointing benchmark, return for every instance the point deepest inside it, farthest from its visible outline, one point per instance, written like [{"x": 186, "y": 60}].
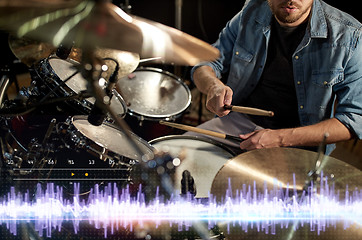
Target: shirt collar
[{"x": 318, "y": 23}]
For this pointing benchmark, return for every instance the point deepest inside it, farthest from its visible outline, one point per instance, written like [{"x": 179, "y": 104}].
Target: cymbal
[
  {"x": 101, "y": 24},
  {"x": 127, "y": 61},
  {"x": 275, "y": 167},
  {"x": 31, "y": 51}
]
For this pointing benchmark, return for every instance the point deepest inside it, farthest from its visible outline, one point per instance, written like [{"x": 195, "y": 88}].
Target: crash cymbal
[
  {"x": 274, "y": 168},
  {"x": 101, "y": 24}
]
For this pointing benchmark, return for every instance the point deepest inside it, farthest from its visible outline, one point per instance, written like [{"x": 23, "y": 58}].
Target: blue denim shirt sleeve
[{"x": 349, "y": 91}]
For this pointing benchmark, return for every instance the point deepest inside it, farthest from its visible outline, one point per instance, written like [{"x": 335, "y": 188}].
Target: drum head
[
  {"x": 203, "y": 158},
  {"x": 110, "y": 137},
  {"x": 153, "y": 93},
  {"x": 64, "y": 69}
]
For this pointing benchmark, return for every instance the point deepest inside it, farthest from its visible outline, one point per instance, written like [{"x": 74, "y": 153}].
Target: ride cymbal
[
  {"x": 264, "y": 175},
  {"x": 276, "y": 166}
]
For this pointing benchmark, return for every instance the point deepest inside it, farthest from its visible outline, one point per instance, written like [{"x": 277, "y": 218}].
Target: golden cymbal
[
  {"x": 272, "y": 169},
  {"x": 30, "y": 51},
  {"x": 277, "y": 166},
  {"x": 127, "y": 61},
  {"x": 101, "y": 24}
]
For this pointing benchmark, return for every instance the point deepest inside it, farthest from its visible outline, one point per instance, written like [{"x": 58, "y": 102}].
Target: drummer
[{"x": 299, "y": 58}]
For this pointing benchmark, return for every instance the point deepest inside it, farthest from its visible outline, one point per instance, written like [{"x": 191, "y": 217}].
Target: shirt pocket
[
  {"x": 241, "y": 54},
  {"x": 327, "y": 79}
]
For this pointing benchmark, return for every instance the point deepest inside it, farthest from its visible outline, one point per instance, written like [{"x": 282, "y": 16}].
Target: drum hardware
[
  {"x": 35, "y": 154},
  {"x": 315, "y": 173},
  {"x": 4, "y": 83},
  {"x": 22, "y": 110}
]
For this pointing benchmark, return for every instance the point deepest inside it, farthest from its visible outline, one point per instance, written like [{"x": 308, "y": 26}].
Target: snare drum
[
  {"x": 152, "y": 95},
  {"x": 105, "y": 140},
  {"x": 53, "y": 78},
  {"x": 202, "y": 157}
]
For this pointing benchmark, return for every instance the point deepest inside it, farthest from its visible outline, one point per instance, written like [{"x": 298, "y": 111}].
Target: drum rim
[
  {"x": 200, "y": 138},
  {"x": 162, "y": 117},
  {"x": 135, "y": 136}
]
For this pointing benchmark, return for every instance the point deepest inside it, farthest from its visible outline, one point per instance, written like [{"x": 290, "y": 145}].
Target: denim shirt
[{"x": 327, "y": 64}]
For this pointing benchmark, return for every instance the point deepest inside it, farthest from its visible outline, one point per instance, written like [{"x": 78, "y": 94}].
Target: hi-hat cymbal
[
  {"x": 101, "y": 24},
  {"x": 274, "y": 168}
]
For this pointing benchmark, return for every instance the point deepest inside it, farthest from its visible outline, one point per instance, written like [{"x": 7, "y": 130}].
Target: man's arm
[
  {"x": 218, "y": 94},
  {"x": 302, "y": 136}
]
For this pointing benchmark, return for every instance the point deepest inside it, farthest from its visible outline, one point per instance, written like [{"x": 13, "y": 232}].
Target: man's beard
[{"x": 285, "y": 17}]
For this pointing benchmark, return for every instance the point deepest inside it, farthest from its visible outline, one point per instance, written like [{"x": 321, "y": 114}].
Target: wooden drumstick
[
  {"x": 202, "y": 131},
  {"x": 249, "y": 110}
]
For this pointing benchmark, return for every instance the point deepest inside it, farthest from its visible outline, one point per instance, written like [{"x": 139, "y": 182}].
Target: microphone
[
  {"x": 63, "y": 51},
  {"x": 98, "y": 114},
  {"x": 187, "y": 183}
]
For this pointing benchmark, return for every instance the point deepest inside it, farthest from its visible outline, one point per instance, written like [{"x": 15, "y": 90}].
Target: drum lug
[{"x": 141, "y": 119}]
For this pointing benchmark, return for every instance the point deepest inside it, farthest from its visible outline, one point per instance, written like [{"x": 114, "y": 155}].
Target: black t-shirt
[{"x": 275, "y": 90}]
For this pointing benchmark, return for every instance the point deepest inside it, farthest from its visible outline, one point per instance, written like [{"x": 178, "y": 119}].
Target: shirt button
[
  {"x": 296, "y": 57},
  {"x": 325, "y": 82},
  {"x": 299, "y": 83},
  {"x": 237, "y": 53},
  {"x": 301, "y": 106}
]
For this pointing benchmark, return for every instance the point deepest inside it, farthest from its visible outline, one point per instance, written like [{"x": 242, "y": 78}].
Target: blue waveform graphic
[{"x": 111, "y": 209}]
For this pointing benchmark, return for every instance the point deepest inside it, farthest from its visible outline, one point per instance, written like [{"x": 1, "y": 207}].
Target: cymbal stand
[{"x": 315, "y": 173}]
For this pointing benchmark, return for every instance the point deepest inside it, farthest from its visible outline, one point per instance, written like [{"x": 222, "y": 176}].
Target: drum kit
[{"x": 83, "y": 57}]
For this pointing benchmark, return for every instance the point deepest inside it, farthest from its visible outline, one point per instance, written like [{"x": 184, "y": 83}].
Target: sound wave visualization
[{"x": 111, "y": 209}]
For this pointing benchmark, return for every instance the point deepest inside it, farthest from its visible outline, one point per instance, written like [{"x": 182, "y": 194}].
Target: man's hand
[
  {"x": 218, "y": 96},
  {"x": 264, "y": 138},
  {"x": 311, "y": 135}
]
